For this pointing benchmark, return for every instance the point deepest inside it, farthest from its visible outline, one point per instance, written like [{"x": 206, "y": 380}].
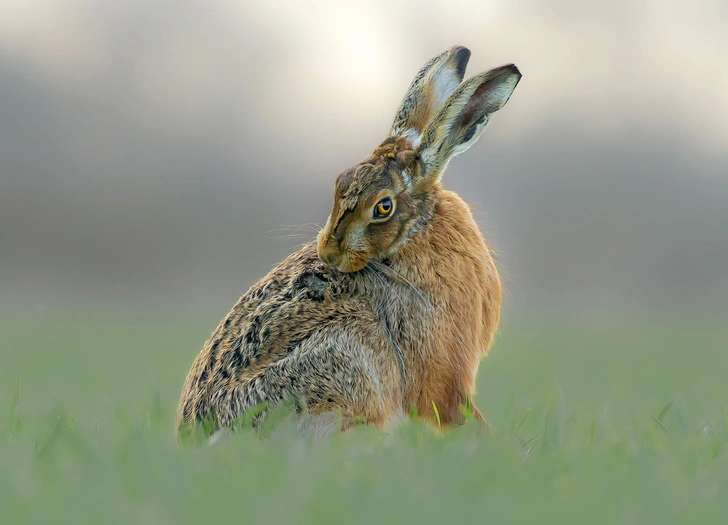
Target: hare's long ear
[
  {"x": 463, "y": 116},
  {"x": 437, "y": 79}
]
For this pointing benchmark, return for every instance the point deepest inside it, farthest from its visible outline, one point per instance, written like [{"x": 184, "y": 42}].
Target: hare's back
[{"x": 276, "y": 318}]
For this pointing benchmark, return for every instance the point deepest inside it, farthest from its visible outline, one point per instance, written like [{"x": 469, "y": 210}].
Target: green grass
[{"x": 602, "y": 421}]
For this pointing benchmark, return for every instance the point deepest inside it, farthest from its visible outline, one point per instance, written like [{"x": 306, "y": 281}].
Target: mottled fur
[{"x": 379, "y": 315}]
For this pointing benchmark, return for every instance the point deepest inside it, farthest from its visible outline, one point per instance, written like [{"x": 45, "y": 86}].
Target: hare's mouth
[{"x": 353, "y": 261}]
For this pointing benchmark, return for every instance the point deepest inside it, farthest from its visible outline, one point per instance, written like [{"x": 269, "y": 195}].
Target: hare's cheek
[
  {"x": 356, "y": 238},
  {"x": 382, "y": 236}
]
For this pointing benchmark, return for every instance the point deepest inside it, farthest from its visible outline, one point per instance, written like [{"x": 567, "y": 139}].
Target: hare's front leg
[{"x": 327, "y": 375}]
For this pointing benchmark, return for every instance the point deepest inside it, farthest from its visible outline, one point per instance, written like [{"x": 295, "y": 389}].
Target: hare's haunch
[{"x": 396, "y": 302}]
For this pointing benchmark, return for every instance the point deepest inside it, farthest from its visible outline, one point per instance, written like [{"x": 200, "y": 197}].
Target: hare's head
[{"x": 380, "y": 203}]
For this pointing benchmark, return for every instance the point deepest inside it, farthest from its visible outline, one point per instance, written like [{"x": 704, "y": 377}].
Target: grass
[{"x": 602, "y": 421}]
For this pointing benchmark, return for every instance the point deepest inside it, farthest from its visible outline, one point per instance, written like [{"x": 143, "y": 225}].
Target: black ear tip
[
  {"x": 461, "y": 56},
  {"x": 512, "y": 69}
]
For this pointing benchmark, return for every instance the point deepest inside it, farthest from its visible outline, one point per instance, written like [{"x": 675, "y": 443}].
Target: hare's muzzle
[{"x": 330, "y": 254}]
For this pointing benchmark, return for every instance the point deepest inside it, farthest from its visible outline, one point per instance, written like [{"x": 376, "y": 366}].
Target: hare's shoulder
[{"x": 300, "y": 277}]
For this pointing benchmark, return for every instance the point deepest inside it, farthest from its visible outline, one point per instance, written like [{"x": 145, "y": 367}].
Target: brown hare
[{"x": 398, "y": 300}]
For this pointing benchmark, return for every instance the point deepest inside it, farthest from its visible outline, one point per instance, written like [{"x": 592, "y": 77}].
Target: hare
[{"x": 398, "y": 299}]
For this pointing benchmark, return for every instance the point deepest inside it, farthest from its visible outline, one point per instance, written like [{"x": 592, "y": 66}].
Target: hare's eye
[{"x": 384, "y": 208}]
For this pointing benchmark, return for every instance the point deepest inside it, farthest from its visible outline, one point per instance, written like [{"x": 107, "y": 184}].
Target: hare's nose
[{"x": 329, "y": 255}]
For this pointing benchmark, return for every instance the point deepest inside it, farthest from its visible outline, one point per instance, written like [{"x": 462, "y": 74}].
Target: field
[{"x": 595, "y": 420}]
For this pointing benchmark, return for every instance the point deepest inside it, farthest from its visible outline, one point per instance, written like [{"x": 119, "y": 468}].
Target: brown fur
[{"x": 379, "y": 315}]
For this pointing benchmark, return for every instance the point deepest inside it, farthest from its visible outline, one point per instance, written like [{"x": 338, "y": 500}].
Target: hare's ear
[
  {"x": 437, "y": 79},
  {"x": 463, "y": 116}
]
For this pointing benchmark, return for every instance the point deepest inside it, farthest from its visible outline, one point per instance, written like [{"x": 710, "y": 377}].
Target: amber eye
[{"x": 384, "y": 208}]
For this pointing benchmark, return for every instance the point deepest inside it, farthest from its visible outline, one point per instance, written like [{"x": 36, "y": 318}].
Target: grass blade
[
  {"x": 437, "y": 415},
  {"x": 664, "y": 411}
]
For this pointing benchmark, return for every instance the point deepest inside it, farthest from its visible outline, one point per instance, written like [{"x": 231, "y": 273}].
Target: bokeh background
[{"x": 152, "y": 151}]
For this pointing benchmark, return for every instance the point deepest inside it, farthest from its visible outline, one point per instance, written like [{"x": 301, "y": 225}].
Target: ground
[{"x": 600, "y": 419}]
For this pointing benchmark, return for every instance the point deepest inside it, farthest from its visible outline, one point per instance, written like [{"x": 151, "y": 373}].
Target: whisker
[
  {"x": 295, "y": 228},
  {"x": 291, "y": 236},
  {"x": 398, "y": 276},
  {"x": 385, "y": 325}
]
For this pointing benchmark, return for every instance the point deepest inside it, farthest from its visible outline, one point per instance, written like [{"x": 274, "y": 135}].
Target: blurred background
[
  {"x": 157, "y": 158},
  {"x": 153, "y": 153}
]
